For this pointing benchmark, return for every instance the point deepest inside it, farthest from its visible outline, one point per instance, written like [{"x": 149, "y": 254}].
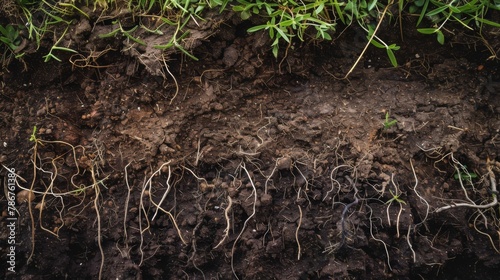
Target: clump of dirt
[{"x": 243, "y": 166}]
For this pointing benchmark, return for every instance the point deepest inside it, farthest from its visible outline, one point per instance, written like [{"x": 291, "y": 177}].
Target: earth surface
[{"x": 135, "y": 163}]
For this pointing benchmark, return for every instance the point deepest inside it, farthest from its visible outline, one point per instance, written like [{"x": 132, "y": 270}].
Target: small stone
[
  {"x": 446, "y": 187},
  {"x": 284, "y": 163},
  {"x": 41, "y": 112},
  {"x": 217, "y": 106},
  {"x": 230, "y": 56},
  {"x": 266, "y": 199}
]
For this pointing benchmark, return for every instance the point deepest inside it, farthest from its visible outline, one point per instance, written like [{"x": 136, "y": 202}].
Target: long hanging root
[
  {"x": 344, "y": 212},
  {"x": 379, "y": 240},
  {"x": 228, "y": 222},
  {"x": 126, "y": 252},
  {"x": 297, "y": 233},
  {"x": 422, "y": 199},
  {"x": 158, "y": 206},
  {"x": 147, "y": 190},
  {"x": 49, "y": 190},
  {"x": 409, "y": 244},
  {"x": 254, "y": 192},
  {"x": 98, "y": 215}
]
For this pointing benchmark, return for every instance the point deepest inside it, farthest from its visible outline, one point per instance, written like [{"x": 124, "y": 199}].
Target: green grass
[
  {"x": 288, "y": 21},
  {"x": 469, "y": 14},
  {"x": 46, "y": 22}
]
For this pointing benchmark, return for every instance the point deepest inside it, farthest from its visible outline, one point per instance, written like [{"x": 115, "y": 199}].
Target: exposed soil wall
[{"x": 241, "y": 165}]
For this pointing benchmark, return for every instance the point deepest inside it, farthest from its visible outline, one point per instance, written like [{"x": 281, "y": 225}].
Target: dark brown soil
[{"x": 254, "y": 167}]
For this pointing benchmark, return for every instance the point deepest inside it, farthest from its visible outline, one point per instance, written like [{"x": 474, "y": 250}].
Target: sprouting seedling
[
  {"x": 395, "y": 197},
  {"x": 33, "y": 135},
  {"x": 465, "y": 175},
  {"x": 388, "y": 123}
]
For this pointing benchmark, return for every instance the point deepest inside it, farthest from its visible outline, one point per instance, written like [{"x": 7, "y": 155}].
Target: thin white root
[
  {"x": 228, "y": 226},
  {"x": 125, "y": 212},
  {"x": 149, "y": 184},
  {"x": 409, "y": 244},
  {"x": 175, "y": 81},
  {"x": 98, "y": 215},
  {"x": 487, "y": 235},
  {"x": 380, "y": 240},
  {"x": 297, "y": 233},
  {"x": 334, "y": 181},
  {"x": 165, "y": 193},
  {"x": 472, "y": 204},
  {"x": 418, "y": 194},
  {"x": 254, "y": 192},
  {"x": 268, "y": 178},
  {"x": 397, "y": 219},
  {"x": 368, "y": 44}
]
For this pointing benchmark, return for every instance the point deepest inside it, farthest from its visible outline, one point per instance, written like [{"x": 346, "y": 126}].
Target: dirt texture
[{"x": 241, "y": 165}]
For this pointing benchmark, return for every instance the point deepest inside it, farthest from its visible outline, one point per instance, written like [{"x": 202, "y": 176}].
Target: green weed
[
  {"x": 10, "y": 43},
  {"x": 9, "y": 36}
]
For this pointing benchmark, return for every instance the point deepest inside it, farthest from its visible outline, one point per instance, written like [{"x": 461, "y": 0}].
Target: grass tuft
[{"x": 48, "y": 23}]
